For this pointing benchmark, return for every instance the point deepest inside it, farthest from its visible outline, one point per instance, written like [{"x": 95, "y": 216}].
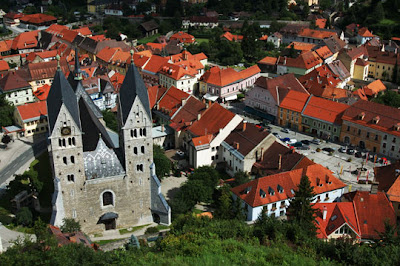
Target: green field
[
  {"x": 148, "y": 39},
  {"x": 201, "y": 40}
]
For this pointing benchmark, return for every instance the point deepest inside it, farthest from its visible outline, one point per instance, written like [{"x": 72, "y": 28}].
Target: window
[
  {"x": 367, "y": 135},
  {"x": 392, "y": 148},
  {"x": 348, "y": 128},
  {"x": 376, "y": 137},
  {"x": 142, "y": 149},
  {"x": 334, "y": 129},
  {"x": 73, "y": 141},
  {"x": 139, "y": 167},
  {"x": 70, "y": 178},
  {"x": 108, "y": 198},
  {"x": 212, "y": 158},
  {"x": 274, "y": 207},
  {"x": 394, "y": 140},
  {"x": 384, "y": 145},
  {"x": 314, "y": 123},
  {"x": 385, "y": 137},
  {"x": 305, "y": 121},
  {"x": 359, "y": 132},
  {"x": 65, "y": 160},
  {"x": 72, "y": 159},
  {"x": 135, "y": 150}
]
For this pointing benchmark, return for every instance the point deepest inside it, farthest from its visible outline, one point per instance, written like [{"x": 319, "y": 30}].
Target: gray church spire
[{"x": 61, "y": 93}]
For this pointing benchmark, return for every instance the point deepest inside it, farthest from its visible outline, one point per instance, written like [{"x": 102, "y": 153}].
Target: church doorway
[
  {"x": 110, "y": 224},
  {"x": 109, "y": 220},
  {"x": 156, "y": 218}
]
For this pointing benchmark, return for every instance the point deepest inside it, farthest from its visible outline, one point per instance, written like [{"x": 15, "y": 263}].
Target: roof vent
[
  {"x": 376, "y": 119},
  {"x": 361, "y": 116}
]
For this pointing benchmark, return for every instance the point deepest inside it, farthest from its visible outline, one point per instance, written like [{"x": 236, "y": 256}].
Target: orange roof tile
[
  {"x": 317, "y": 174},
  {"x": 268, "y": 60},
  {"x": 155, "y": 93},
  {"x": 249, "y": 72},
  {"x": 232, "y": 37},
  {"x": 84, "y": 31},
  {"x": 301, "y": 46},
  {"x": 264, "y": 38},
  {"x": 4, "y": 65},
  {"x": 42, "y": 92},
  {"x": 212, "y": 120},
  {"x": 305, "y": 60},
  {"x": 294, "y": 101},
  {"x": 374, "y": 88},
  {"x": 25, "y": 40},
  {"x": 99, "y": 38},
  {"x": 224, "y": 77},
  {"x": 172, "y": 100},
  {"x": 32, "y": 110},
  {"x": 394, "y": 191},
  {"x": 68, "y": 35},
  {"x": 56, "y": 29},
  {"x": 361, "y": 62},
  {"x": 316, "y": 34},
  {"x": 325, "y": 110},
  {"x": 324, "y": 52},
  {"x": 145, "y": 53},
  {"x": 202, "y": 140},
  {"x": 183, "y": 37},
  {"x": 4, "y": 46},
  {"x": 176, "y": 71},
  {"x": 187, "y": 114},
  {"x": 107, "y": 53},
  {"x": 38, "y": 18},
  {"x": 364, "y": 32},
  {"x": 320, "y": 23},
  {"x": 155, "y": 63}
]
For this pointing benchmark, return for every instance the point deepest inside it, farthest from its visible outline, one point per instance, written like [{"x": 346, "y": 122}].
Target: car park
[
  {"x": 316, "y": 141},
  {"x": 285, "y": 130},
  {"x": 343, "y": 149},
  {"x": 306, "y": 142},
  {"x": 304, "y": 147},
  {"x": 350, "y": 151},
  {"x": 328, "y": 149},
  {"x": 285, "y": 139}
]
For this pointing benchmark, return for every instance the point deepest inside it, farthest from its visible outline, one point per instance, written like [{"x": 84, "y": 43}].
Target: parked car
[
  {"x": 306, "y": 142},
  {"x": 343, "y": 149},
  {"x": 298, "y": 144},
  {"x": 316, "y": 141},
  {"x": 285, "y": 140},
  {"x": 292, "y": 141},
  {"x": 328, "y": 149},
  {"x": 358, "y": 154},
  {"x": 350, "y": 151},
  {"x": 180, "y": 153},
  {"x": 304, "y": 147},
  {"x": 285, "y": 130},
  {"x": 276, "y": 135}
]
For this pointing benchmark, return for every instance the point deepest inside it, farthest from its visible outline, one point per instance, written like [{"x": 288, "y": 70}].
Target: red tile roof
[
  {"x": 376, "y": 55},
  {"x": 324, "y": 52},
  {"x": 364, "y": 32},
  {"x": 232, "y": 37},
  {"x": 301, "y": 46},
  {"x": 289, "y": 181},
  {"x": 320, "y": 23},
  {"x": 227, "y": 76},
  {"x": 5, "y": 46},
  {"x": 68, "y": 35},
  {"x": 84, "y": 31},
  {"x": 56, "y": 29},
  {"x": 305, "y": 60},
  {"x": 202, "y": 140},
  {"x": 268, "y": 60},
  {"x": 337, "y": 214},
  {"x": 45, "y": 70},
  {"x": 321, "y": 76},
  {"x": 387, "y": 175},
  {"x": 155, "y": 64},
  {"x": 212, "y": 120},
  {"x": 374, "y": 88},
  {"x": 38, "y": 18},
  {"x": 172, "y": 100},
  {"x": 187, "y": 114},
  {"x": 377, "y": 116},
  {"x": 25, "y": 40},
  {"x": 294, "y": 101},
  {"x": 361, "y": 62},
  {"x": 264, "y": 38},
  {"x": 372, "y": 211},
  {"x": 12, "y": 81},
  {"x": 99, "y": 38},
  {"x": 42, "y": 92},
  {"x": 155, "y": 93},
  {"x": 4, "y": 65},
  {"x": 43, "y": 55},
  {"x": 183, "y": 37},
  {"x": 177, "y": 72},
  {"x": 32, "y": 110},
  {"x": 316, "y": 34},
  {"x": 325, "y": 110}
]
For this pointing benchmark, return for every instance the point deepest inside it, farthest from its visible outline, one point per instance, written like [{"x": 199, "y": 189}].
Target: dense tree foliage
[
  {"x": 163, "y": 164},
  {"x": 111, "y": 120},
  {"x": 70, "y": 225},
  {"x": 390, "y": 98},
  {"x": 6, "y": 112}
]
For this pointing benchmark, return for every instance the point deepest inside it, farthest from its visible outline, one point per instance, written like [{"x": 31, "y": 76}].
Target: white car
[
  {"x": 292, "y": 141},
  {"x": 180, "y": 153}
]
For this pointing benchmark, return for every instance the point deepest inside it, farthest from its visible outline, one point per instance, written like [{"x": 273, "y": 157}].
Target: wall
[
  {"x": 262, "y": 99},
  {"x": 19, "y": 97},
  {"x": 350, "y": 131}
]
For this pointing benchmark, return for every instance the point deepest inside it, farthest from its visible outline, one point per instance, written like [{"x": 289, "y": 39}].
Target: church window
[
  {"x": 60, "y": 142},
  {"x": 144, "y": 132},
  {"x": 140, "y": 132},
  {"x": 135, "y": 133},
  {"x": 74, "y": 213},
  {"x": 72, "y": 159},
  {"x": 65, "y": 160},
  {"x": 139, "y": 167},
  {"x": 73, "y": 141},
  {"x": 71, "y": 178},
  {"x": 142, "y": 149},
  {"x": 69, "y": 141},
  {"x": 135, "y": 150},
  {"x": 108, "y": 198},
  {"x": 131, "y": 133},
  {"x": 64, "y": 143}
]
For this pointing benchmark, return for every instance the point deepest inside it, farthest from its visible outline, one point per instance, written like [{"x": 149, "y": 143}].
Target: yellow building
[
  {"x": 361, "y": 68},
  {"x": 32, "y": 118},
  {"x": 289, "y": 111},
  {"x": 382, "y": 64}
]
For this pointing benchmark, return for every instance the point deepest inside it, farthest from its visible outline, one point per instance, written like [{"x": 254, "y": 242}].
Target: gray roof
[
  {"x": 157, "y": 132},
  {"x": 149, "y": 25},
  {"x": 102, "y": 162},
  {"x": 133, "y": 86},
  {"x": 61, "y": 93}
]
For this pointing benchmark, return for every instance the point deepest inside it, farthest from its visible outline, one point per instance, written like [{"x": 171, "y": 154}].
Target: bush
[
  {"x": 318, "y": 150},
  {"x": 24, "y": 216},
  {"x": 152, "y": 230},
  {"x": 349, "y": 159}
]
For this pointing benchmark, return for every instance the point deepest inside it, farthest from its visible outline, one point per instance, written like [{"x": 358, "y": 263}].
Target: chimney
[
  {"x": 236, "y": 144},
  {"x": 162, "y": 128},
  {"x": 244, "y": 125},
  {"x": 209, "y": 104},
  {"x": 324, "y": 213},
  {"x": 204, "y": 101},
  {"x": 262, "y": 154},
  {"x": 374, "y": 187},
  {"x": 280, "y": 162},
  {"x": 198, "y": 116}
]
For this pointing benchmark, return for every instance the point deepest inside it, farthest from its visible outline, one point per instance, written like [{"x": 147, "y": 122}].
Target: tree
[
  {"x": 6, "y": 112},
  {"x": 70, "y": 225},
  {"x": 301, "y": 209},
  {"x": 379, "y": 12},
  {"x": 24, "y": 216},
  {"x": 6, "y": 139},
  {"x": 224, "y": 210},
  {"x": 240, "y": 178},
  {"x": 111, "y": 120},
  {"x": 163, "y": 164},
  {"x": 238, "y": 211}
]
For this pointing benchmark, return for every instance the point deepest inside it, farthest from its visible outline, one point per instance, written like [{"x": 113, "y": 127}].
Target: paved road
[
  {"x": 8, "y": 237},
  {"x": 15, "y": 165}
]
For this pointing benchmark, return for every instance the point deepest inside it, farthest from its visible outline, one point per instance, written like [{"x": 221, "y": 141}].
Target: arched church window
[{"x": 108, "y": 198}]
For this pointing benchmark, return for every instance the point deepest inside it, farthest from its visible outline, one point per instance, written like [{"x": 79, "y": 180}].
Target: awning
[
  {"x": 108, "y": 216},
  {"x": 210, "y": 97},
  {"x": 231, "y": 98}
]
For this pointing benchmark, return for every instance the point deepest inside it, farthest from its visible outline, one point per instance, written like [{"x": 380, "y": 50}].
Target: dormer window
[
  {"x": 280, "y": 189},
  {"x": 319, "y": 183},
  {"x": 361, "y": 116},
  {"x": 397, "y": 127},
  {"x": 292, "y": 191},
  {"x": 271, "y": 191},
  {"x": 262, "y": 193},
  {"x": 247, "y": 190},
  {"x": 376, "y": 119},
  {"x": 327, "y": 180}
]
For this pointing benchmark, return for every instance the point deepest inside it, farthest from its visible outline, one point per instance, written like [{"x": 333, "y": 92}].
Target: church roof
[
  {"x": 132, "y": 87},
  {"x": 61, "y": 93}
]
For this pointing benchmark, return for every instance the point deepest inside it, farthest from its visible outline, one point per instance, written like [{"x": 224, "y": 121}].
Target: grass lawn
[
  {"x": 387, "y": 22},
  {"x": 162, "y": 227},
  {"x": 103, "y": 242},
  {"x": 148, "y": 39},
  {"x": 201, "y": 40},
  {"x": 126, "y": 231}
]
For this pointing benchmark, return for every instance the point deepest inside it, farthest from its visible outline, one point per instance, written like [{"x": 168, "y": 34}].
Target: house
[
  {"x": 180, "y": 76},
  {"x": 42, "y": 92},
  {"x": 84, "y": 31},
  {"x": 350, "y": 56},
  {"x": 183, "y": 37},
  {"x": 340, "y": 70},
  {"x": 361, "y": 69},
  {"x": 267, "y": 64},
  {"x": 316, "y": 36},
  {"x": 200, "y": 21},
  {"x": 325, "y": 54},
  {"x": 244, "y": 146},
  {"x": 296, "y": 48},
  {"x": 372, "y": 210},
  {"x": 301, "y": 65},
  {"x": 149, "y": 28},
  {"x": 12, "y": 19},
  {"x": 45, "y": 56},
  {"x": 372, "y": 126},
  {"x": 207, "y": 133},
  {"x": 32, "y": 118},
  {"x": 382, "y": 64},
  {"x": 290, "y": 108},
  {"x": 227, "y": 83},
  {"x": 387, "y": 178},
  {"x": 113, "y": 10},
  {"x": 69, "y": 238},
  {"x": 273, "y": 193},
  {"x": 169, "y": 101},
  {"x": 279, "y": 158},
  {"x": 43, "y": 72},
  {"x": 276, "y": 39},
  {"x": 25, "y": 42},
  {"x": 5, "y": 47},
  {"x": 375, "y": 87},
  {"x": 97, "y": 6},
  {"x": 335, "y": 44},
  {"x": 114, "y": 58},
  {"x": 17, "y": 89},
  {"x": 231, "y": 37},
  {"x": 320, "y": 22},
  {"x": 56, "y": 29},
  {"x": 196, "y": 61},
  {"x": 290, "y": 31},
  {"x": 268, "y": 94},
  {"x": 322, "y": 118},
  {"x": 364, "y": 35},
  {"x": 4, "y": 66},
  {"x": 337, "y": 220},
  {"x": 163, "y": 136},
  {"x": 36, "y": 21}
]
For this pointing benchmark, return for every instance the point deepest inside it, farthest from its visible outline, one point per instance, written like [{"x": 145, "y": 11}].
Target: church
[{"x": 103, "y": 179}]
